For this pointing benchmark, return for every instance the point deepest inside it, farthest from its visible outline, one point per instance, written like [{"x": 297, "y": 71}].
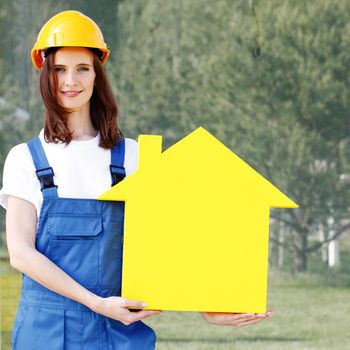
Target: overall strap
[
  {"x": 44, "y": 172},
  {"x": 117, "y": 162}
]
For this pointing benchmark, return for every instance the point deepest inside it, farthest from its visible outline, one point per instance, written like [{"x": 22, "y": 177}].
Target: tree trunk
[
  {"x": 322, "y": 237},
  {"x": 333, "y": 253},
  {"x": 300, "y": 252},
  {"x": 281, "y": 233},
  {"x": 300, "y": 261}
]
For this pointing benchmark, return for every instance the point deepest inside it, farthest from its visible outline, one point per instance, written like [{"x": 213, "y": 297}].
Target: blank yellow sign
[{"x": 196, "y": 227}]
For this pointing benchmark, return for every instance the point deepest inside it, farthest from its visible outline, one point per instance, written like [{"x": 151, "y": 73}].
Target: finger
[
  {"x": 133, "y": 304},
  {"x": 240, "y": 317},
  {"x": 257, "y": 318},
  {"x": 232, "y": 319},
  {"x": 144, "y": 314},
  {"x": 246, "y": 318},
  {"x": 267, "y": 314},
  {"x": 245, "y": 323}
]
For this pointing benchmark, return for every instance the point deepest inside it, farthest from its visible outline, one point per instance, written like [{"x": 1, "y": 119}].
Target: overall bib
[{"x": 84, "y": 238}]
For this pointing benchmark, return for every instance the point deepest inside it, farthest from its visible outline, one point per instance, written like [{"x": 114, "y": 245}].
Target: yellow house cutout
[{"x": 196, "y": 227}]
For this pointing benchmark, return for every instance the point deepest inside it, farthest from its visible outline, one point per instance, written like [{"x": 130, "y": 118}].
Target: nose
[{"x": 70, "y": 79}]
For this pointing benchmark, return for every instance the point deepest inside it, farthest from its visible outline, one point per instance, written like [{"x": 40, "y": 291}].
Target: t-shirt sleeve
[
  {"x": 131, "y": 156},
  {"x": 19, "y": 177}
]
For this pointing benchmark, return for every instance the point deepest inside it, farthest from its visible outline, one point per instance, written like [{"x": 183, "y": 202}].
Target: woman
[{"x": 65, "y": 242}]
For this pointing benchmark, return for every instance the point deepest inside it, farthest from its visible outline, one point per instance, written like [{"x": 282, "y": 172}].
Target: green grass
[
  {"x": 306, "y": 317},
  {"x": 310, "y": 313}
]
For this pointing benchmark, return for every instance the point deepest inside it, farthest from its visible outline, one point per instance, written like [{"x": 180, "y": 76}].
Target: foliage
[
  {"x": 176, "y": 65},
  {"x": 187, "y": 64}
]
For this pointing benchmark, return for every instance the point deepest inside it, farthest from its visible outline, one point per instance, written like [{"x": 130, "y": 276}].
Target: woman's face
[{"x": 76, "y": 76}]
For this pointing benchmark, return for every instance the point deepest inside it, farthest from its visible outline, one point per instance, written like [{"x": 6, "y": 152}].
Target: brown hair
[{"x": 103, "y": 107}]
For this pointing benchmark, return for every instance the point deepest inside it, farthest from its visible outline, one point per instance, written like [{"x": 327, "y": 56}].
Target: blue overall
[{"x": 84, "y": 238}]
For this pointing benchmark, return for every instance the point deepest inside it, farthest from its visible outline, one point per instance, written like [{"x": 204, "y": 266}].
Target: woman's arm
[{"x": 21, "y": 226}]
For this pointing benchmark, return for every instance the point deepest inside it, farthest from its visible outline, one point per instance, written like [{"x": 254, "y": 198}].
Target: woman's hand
[
  {"x": 234, "y": 319},
  {"x": 119, "y": 309}
]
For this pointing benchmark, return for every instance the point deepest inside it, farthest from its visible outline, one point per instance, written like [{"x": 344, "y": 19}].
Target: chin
[{"x": 74, "y": 107}]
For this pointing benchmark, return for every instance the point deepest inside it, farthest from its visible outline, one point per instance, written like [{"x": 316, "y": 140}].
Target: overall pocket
[
  {"x": 74, "y": 246},
  {"x": 111, "y": 256}
]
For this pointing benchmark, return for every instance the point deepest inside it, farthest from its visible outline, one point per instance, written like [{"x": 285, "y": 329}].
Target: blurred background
[{"x": 268, "y": 78}]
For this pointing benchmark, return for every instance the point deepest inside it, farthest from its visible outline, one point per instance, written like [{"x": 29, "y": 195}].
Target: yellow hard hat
[{"x": 68, "y": 28}]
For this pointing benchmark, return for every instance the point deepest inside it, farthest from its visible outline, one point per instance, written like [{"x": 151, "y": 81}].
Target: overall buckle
[
  {"x": 117, "y": 173},
  {"x": 45, "y": 177}
]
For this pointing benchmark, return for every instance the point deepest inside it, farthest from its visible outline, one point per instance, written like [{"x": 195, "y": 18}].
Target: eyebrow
[{"x": 79, "y": 64}]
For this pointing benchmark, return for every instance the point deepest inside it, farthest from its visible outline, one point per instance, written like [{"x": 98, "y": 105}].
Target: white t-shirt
[{"x": 81, "y": 170}]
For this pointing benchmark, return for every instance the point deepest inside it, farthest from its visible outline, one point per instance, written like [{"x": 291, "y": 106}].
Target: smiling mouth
[{"x": 71, "y": 93}]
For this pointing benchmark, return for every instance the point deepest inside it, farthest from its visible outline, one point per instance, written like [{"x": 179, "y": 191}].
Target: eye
[
  {"x": 59, "y": 69},
  {"x": 83, "y": 69}
]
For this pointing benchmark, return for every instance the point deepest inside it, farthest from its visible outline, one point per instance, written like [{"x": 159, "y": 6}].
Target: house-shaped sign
[{"x": 196, "y": 227}]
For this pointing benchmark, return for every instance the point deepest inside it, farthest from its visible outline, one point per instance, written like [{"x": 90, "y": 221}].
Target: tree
[
  {"x": 293, "y": 102},
  {"x": 285, "y": 112}
]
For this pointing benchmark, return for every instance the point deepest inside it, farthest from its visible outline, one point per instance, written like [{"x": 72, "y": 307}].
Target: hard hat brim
[{"x": 38, "y": 60}]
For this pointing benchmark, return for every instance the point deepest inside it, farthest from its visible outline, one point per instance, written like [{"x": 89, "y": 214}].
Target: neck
[{"x": 79, "y": 123}]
